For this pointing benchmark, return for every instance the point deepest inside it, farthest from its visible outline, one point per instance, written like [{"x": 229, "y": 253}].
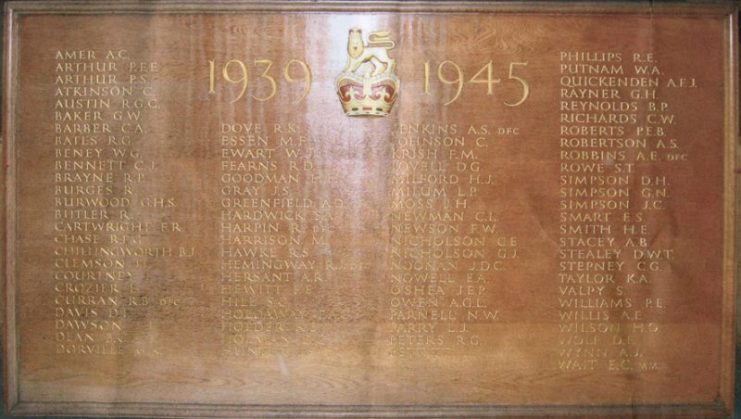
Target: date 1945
[{"x": 237, "y": 75}]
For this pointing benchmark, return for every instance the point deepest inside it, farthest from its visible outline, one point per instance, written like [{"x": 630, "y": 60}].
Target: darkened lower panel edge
[{"x": 715, "y": 410}]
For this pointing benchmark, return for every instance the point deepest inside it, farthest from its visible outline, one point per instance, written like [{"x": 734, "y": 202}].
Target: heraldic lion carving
[{"x": 374, "y": 51}]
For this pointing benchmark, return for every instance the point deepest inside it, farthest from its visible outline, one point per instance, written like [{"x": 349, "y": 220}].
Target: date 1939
[{"x": 237, "y": 75}]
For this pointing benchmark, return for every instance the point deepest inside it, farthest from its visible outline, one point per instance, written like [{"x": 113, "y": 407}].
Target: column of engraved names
[
  {"x": 610, "y": 136},
  {"x": 268, "y": 228},
  {"x": 97, "y": 241},
  {"x": 446, "y": 245}
]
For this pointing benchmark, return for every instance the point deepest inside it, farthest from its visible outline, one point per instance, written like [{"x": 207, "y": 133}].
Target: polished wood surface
[{"x": 542, "y": 224}]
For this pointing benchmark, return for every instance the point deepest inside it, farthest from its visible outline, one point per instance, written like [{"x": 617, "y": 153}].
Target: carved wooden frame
[{"x": 723, "y": 406}]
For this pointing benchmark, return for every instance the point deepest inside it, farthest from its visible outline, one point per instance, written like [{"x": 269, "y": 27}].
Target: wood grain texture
[
  {"x": 728, "y": 357},
  {"x": 350, "y": 374},
  {"x": 10, "y": 372}
]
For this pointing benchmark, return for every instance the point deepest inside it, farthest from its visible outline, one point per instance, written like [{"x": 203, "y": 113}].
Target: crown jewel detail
[{"x": 368, "y": 85}]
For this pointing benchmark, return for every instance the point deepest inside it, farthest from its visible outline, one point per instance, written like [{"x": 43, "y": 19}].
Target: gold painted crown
[
  {"x": 361, "y": 95},
  {"x": 368, "y": 85}
]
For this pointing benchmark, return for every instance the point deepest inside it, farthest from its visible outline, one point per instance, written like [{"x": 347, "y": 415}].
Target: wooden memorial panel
[{"x": 369, "y": 209}]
